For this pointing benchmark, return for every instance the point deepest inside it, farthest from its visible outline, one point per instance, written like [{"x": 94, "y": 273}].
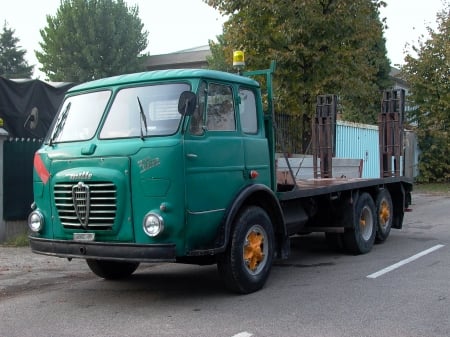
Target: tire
[
  {"x": 360, "y": 238},
  {"x": 246, "y": 264},
  {"x": 112, "y": 270},
  {"x": 385, "y": 212}
]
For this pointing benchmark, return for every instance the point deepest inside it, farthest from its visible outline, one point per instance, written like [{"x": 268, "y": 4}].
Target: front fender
[{"x": 256, "y": 195}]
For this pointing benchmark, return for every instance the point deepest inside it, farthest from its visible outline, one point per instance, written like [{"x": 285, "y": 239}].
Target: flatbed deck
[{"x": 315, "y": 187}]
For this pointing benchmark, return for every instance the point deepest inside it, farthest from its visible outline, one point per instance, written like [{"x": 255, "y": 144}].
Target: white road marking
[
  {"x": 243, "y": 334},
  {"x": 403, "y": 262}
]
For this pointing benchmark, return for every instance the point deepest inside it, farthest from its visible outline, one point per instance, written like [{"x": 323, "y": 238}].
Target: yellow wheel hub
[
  {"x": 385, "y": 212},
  {"x": 253, "y": 253}
]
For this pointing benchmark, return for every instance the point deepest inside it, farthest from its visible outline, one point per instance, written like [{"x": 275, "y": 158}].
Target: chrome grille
[{"x": 90, "y": 205}]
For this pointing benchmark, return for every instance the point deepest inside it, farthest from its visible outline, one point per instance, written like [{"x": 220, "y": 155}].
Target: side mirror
[{"x": 187, "y": 103}]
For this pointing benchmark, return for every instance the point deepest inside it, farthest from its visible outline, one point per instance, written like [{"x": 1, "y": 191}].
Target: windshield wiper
[
  {"x": 60, "y": 124},
  {"x": 142, "y": 118}
]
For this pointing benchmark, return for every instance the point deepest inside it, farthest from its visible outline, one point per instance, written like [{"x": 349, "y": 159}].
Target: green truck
[{"x": 180, "y": 166}]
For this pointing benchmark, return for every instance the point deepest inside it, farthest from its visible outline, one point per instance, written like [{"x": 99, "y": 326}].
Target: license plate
[{"x": 83, "y": 236}]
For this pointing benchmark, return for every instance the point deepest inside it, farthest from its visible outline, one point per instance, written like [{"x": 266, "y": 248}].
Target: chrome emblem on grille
[
  {"x": 85, "y": 175},
  {"x": 81, "y": 197}
]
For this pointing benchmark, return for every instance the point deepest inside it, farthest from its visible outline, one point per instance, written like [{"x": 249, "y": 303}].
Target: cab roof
[{"x": 164, "y": 75}]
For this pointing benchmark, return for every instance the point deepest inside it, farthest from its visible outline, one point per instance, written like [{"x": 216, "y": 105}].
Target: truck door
[
  {"x": 256, "y": 148},
  {"x": 214, "y": 162}
]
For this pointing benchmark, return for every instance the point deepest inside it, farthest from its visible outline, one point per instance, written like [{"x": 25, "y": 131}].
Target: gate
[{"x": 18, "y": 154}]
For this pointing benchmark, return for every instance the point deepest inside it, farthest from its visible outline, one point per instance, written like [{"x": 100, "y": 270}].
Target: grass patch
[
  {"x": 442, "y": 188},
  {"x": 20, "y": 240}
]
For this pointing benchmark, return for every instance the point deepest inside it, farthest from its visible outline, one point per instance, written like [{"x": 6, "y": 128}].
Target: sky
[{"x": 175, "y": 25}]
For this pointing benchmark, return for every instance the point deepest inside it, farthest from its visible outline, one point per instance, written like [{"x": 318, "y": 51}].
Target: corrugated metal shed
[{"x": 359, "y": 141}]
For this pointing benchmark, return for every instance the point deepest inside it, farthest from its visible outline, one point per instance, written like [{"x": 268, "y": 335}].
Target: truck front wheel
[
  {"x": 246, "y": 264},
  {"x": 112, "y": 270},
  {"x": 360, "y": 238}
]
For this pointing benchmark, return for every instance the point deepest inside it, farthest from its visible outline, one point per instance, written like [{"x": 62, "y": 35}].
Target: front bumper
[{"x": 103, "y": 250}]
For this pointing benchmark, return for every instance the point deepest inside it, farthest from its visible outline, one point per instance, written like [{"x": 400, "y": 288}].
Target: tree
[
  {"x": 218, "y": 59},
  {"x": 321, "y": 47},
  {"x": 89, "y": 39},
  {"x": 12, "y": 61},
  {"x": 428, "y": 74}
]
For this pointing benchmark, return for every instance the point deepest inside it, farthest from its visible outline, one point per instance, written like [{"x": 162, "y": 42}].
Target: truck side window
[
  {"x": 247, "y": 111},
  {"x": 196, "y": 125},
  {"x": 220, "y": 108}
]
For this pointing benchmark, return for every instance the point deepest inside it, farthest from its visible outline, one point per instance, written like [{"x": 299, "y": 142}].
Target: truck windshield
[
  {"x": 144, "y": 111},
  {"x": 78, "y": 117}
]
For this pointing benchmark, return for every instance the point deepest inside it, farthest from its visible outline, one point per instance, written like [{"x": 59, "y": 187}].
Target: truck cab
[{"x": 150, "y": 167}]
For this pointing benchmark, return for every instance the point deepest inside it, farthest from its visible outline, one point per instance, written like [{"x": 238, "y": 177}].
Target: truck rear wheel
[
  {"x": 385, "y": 210},
  {"x": 360, "y": 238},
  {"x": 112, "y": 270},
  {"x": 246, "y": 264}
]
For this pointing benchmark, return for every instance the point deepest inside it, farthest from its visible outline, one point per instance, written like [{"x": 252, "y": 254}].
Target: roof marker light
[{"x": 238, "y": 60}]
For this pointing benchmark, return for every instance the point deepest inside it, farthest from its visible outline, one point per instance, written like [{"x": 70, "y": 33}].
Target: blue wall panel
[{"x": 359, "y": 141}]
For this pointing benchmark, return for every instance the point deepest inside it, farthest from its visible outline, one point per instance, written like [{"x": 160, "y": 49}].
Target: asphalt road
[{"x": 317, "y": 292}]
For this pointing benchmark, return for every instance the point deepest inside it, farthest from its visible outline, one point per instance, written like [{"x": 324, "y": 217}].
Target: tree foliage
[
  {"x": 428, "y": 74},
  {"x": 12, "y": 57},
  {"x": 321, "y": 47},
  {"x": 89, "y": 39},
  {"x": 219, "y": 60}
]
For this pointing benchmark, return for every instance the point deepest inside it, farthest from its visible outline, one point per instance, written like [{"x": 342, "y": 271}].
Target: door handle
[{"x": 191, "y": 155}]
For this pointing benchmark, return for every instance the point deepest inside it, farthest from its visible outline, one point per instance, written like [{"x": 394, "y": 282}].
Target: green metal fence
[{"x": 18, "y": 157}]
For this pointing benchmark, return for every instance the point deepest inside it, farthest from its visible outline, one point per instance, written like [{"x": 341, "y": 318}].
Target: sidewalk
[{"x": 20, "y": 270}]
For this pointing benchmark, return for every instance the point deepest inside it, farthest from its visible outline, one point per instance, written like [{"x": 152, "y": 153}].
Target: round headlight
[
  {"x": 36, "y": 221},
  {"x": 153, "y": 224}
]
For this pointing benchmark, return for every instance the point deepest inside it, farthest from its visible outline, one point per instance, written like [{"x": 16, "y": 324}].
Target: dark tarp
[{"x": 28, "y": 107}]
